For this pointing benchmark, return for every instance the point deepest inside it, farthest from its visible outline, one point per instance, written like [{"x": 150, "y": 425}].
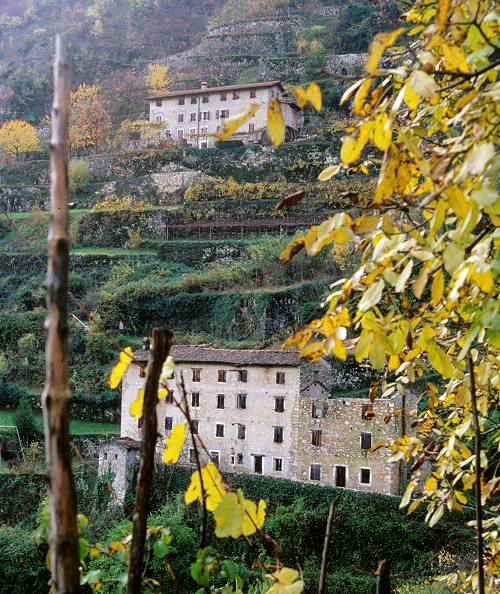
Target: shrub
[
  {"x": 22, "y": 563},
  {"x": 115, "y": 203},
  {"x": 25, "y": 420},
  {"x": 79, "y": 176},
  {"x": 11, "y": 394}
]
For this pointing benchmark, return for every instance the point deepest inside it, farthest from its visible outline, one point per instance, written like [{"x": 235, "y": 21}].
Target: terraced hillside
[{"x": 201, "y": 257}]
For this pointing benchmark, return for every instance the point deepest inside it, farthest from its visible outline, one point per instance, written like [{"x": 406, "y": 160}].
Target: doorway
[
  {"x": 340, "y": 476},
  {"x": 257, "y": 464}
]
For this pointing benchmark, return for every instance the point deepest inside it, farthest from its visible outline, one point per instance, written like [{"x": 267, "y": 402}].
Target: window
[
  {"x": 223, "y": 96},
  {"x": 239, "y": 459},
  {"x": 367, "y": 412},
  {"x": 241, "y": 431},
  {"x": 317, "y": 410},
  {"x": 366, "y": 441},
  {"x": 192, "y": 456},
  {"x": 315, "y": 472},
  {"x": 280, "y": 377},
  {"x": 279, "y": 404},
  {"x": 192, "y": 131},
  {"x": 278, "y": 464},
  {"x": 204, "y": 144},
  {"x": 195, "y": 399},
  {"x": 204, "y": 131},
  {"x": 140, "y": 422},
  {"x": 219, "y": 430},
  {"x": 316, "y": 375},
  {"x": 180, "y": 118},
  {"x": 168, "y": 423},
  {"x": 241, "y": 401},
  {"x": 196, "y": 375},
  {"x": 169, "y": 399},
  {"x": 253, "y": 94},
  {"x": 180, "y": 134},
  {"x": 232, "y": 460},
  {"x": 251, "y": 127},
  {"x": 206, "y": 115},
  {"x": 215, "y": 456},
  {"x": 204, "y": 99},
  {"x": 217, "y": 112},
  {"x": 365, "y": 476},
  {"x": 192, "y": 116},
  {"x": 158, "y": 103},
  {"x": 168, "y": 133},
  {"x": 278, "y": 434},
  {"x": 220, "y": 400},
  {"x": 158, "y": 119},
  {"x": 236, "y": 95},
  {"x": 316, "y": 437},
  {"x": 224, "y": 113},
  {"x": 105, "y": 455},
  {"x": 243, "y": 375},
  {"x": 193, "y": 100},
  {"x": 181, "y": 101},
  {"x": 195, "y": 427},
  {"x": 221, "y": 376}
]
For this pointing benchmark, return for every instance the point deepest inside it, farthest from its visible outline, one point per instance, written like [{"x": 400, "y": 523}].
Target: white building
[
  {"x": 194, "y": 116},
  {"x": 267, "y": 412}
]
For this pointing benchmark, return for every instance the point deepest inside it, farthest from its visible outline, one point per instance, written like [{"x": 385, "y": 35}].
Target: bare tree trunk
[
  {"x": 160, "y": 347},
  {"x": 477, "y": 453},
  {"x": 63, "y": 536},
  {"x": 383, "y": 574},
  {"x": 326, "y": 544}
]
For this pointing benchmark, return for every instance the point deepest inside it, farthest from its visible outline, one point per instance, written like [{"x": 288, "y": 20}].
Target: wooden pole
[
  {"x": 160, "y": 347},
  {"x": 63, "y": 536},
  {"x": 326, "y": 545},
  {"x": 383, "y": 574}
]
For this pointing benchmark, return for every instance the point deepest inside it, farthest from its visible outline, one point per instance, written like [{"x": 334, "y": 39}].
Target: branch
[
  {"x": 161, "y": 343},
  {"x": 326, "y": 544},
  {"x": 477, "y": 453},
  {"x": 63, "y": 535}
]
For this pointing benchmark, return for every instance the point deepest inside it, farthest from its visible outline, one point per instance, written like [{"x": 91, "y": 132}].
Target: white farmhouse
[
  {"x": 194, "y": 116},
  {"x": 266, "y": 412}
]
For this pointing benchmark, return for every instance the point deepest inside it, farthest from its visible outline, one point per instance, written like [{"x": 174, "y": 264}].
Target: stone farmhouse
[
  {"x": 266, "y": 412},
  {"x": 194, "y": 116}
]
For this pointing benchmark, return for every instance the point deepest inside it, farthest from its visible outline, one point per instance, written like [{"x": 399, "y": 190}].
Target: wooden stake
[
  {"x": 326, "y": 545},
  {"x": 383, "y": 574},
  {"x": 160, "y": 346},
  {"x": 63, "y": 536}
]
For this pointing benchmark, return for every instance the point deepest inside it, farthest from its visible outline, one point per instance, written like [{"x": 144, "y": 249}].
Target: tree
[
  {"x": 157, "y": 79},
  {"x": 425, "y": 296},
  {"x": 17, "y": 137},
  {"x": 25, "y": 420},
  {"x": 90, "y": 124}
]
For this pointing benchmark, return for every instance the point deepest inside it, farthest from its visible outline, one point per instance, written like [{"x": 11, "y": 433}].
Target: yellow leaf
[
  {"x": 380, "y": 43},
  {"x": 420, "y": 84},
  {"x": 431, "y": 484},
  {"x": 235, "y": 516},
  {"x": 414, "y": 505},
  {"x": 174, "y": 443},
  {"x": 314, "y": 96},
  {"x": 410, "y": 97},
  {"x": 292, "y": 249},
  {"x": 230, "y": 125},
  {"x": 420, "y": 282},
  {"x": 377, "y": 354},
  {"x": 212, "y": 484},
  {"x": 403, "y": 277},
  {"x": 162, "y": 393},
  {"x": 394, "y": 362},
  {"x": 461, "y": 498},
  {"x": 360, "y": 98},
  {"x": 300, "y": 96},
  {"x": 137, "y": 404},
  {"x": 437, "y": 288},
  {"x": 275, "y": 122},
  {"x": 286, "y": 582},
  {"x": 372, "y": 295},
  {"x": 454, "y": 58},
  {"x": 353, "y": 145},
  {"x": 440, "y": 360},
  {"x": 387, "y": 175},
  {"x": 124, "y": 360},
  {"x": 329, "y": 172},
  {"x": 381, "y": 133},
  {"x": 442, "y": 13}
]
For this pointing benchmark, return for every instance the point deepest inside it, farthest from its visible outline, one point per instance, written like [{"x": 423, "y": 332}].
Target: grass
[
  {"x": 76, "y": 427},
  {"x": 116, "y": 251}
]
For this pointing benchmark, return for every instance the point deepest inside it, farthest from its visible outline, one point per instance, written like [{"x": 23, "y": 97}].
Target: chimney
[{"x": 204, "y": 84}]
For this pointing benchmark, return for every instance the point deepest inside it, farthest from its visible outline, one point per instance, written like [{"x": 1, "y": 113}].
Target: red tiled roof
[{"x": 201, "y": 91}]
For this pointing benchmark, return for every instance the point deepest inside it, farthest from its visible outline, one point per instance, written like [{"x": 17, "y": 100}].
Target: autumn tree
[
  {"x": 90, "y": 124},
  {"x": 17, "y": 137},
  {"x": 425, "y": 296},
  {"x": 157, "y": 79}
]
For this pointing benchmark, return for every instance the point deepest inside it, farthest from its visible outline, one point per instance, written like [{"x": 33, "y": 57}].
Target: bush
[
  {"x": 11, "y": 394},
  {"x": 79, "y": 176},
  {"x": 25, "y": 420}
]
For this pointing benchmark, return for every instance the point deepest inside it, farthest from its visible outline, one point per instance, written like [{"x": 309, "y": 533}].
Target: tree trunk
[
  {"x": 63, "y": 536},
  {"x": 160, "y": 347}
]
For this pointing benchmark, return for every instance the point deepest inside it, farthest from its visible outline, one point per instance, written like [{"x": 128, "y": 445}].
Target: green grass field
[{"x": 76, "y": 428}]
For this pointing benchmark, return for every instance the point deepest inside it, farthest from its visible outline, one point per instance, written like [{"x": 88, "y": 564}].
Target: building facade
[
  {"x": 194, "y": 116},
  {"x": 266, "y": 412}
]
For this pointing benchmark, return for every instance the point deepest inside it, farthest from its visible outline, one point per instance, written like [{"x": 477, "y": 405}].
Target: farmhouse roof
[
  {"x": 238, "y": 358},
  {"x": 205, "y": 90}
]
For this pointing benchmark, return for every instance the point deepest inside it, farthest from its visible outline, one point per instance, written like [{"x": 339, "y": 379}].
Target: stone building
[
  {"x": 266, "y": 412},
  {"x": 194, "y": 116}
]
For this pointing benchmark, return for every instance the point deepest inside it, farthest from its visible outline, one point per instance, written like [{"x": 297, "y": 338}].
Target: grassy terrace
[{"x": 76, "y": 428}]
